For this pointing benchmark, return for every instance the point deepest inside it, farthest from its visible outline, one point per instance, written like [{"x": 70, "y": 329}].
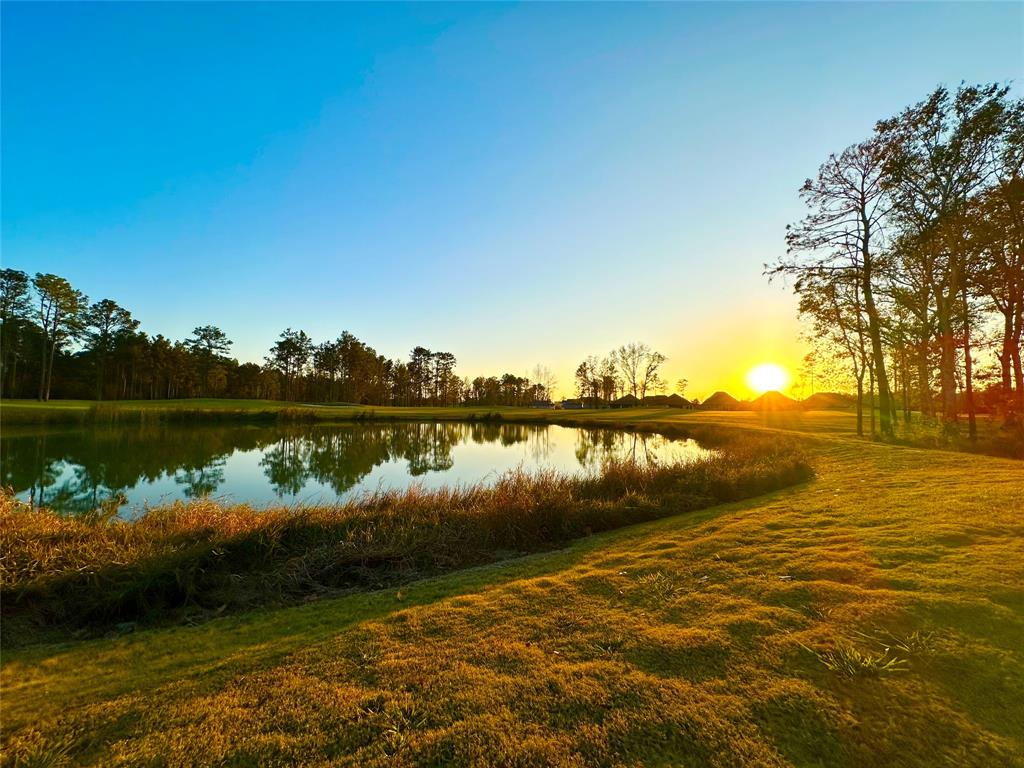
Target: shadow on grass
[{"x": 39, "y": 681}]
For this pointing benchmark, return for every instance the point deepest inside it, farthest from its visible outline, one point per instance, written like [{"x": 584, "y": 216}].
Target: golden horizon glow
[{"x": 766, "y": 378}]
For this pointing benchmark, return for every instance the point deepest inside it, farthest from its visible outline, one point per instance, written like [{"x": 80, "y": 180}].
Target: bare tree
[
  {"x": 545, "y": 377},
  {"x": 843, "y": 233},
  {"x": 649, "y": 379},
  {"x": 831, "y": 302},
  {"x": 630, "y": 359}
]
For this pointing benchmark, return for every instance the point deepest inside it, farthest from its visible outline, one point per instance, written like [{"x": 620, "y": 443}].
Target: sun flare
[{"x": 767, "y": 377}]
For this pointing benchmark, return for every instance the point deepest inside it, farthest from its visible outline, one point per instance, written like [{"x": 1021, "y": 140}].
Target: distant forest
[{"x": 54, "y": 343}]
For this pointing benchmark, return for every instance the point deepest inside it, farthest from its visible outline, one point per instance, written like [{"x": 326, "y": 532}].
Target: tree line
[
  {"x": 631, "y": 369},
  {"x": 909, "y": 265},
  {"x": 55, "y": 343},
  {"x": 291, "y": 457}
]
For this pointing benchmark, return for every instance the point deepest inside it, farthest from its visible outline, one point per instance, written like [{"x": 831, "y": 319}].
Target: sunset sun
[{"x": 767, "y": 377}]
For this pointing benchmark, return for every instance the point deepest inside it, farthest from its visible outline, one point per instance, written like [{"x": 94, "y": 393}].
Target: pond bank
[
  {"x": 701, "y": 634},
  {"x": 63, "y": 574}
]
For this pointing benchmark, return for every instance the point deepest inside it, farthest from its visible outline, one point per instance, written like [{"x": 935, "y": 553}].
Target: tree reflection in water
[
  {"x": 198, "y": 482},
  {"x": 77, "y": 470},
  {"x": 595, "y": 447}
]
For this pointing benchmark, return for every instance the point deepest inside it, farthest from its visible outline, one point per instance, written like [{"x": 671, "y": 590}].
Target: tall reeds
[{"x": 70, "y": 572}]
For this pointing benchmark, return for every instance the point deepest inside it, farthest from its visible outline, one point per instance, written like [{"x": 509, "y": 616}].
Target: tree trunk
[
  {"x": 14, "y": 375},
  {"x": 4, "y": 349},
  {"x": 860, "y": 404},
  {"x": 99, "y": 377},
  {"x": 42, "y": 366},
  {"x": 871, "y": 397},
  {"x": 49, "y": 373},
  {"x": 875, "y": 332},
  {"x": 906, "y": 389},
  {"x": 947, "y": 364},
  {"x": 1006, "y": 356},
  {"x": 947, "y": 378},
  {"x": 1015, "y": 360},
  {"x": 972, "y": 424},
  {"x": 1018, "y": 374},
  {"x": 923, "y": 383},
  {"x": 9, "y": 379},
  {"x": 893, "y": 408}
]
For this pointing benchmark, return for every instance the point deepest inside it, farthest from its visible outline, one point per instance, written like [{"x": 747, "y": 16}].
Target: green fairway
[
  {"x": 871, "y": 617},
  {"x": 832, "y": 422},
  {"x": 32, "y": 411},
  {"x": 35, "y": 412}
]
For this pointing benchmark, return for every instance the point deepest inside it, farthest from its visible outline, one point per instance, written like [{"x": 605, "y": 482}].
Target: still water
[{"x": 73, "y": 470}]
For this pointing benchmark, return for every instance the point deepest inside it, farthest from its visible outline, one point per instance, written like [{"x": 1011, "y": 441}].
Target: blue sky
[{"x": 513, "y": 183}]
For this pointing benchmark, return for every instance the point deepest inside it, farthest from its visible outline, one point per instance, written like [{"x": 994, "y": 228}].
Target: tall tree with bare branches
[{"x": 843, "y": 235}]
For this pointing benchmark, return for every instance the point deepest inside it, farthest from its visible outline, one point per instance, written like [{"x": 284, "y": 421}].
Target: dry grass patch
[
  {"x": 74, "y": 573},
  {"x": 614, "y": 651}
]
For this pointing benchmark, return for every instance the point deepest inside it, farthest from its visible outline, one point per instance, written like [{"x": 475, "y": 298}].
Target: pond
[{"x": 73, "y": 470}]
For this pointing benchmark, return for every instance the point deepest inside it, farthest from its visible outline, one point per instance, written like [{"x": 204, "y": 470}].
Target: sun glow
[{"x": 767, "y": 377}]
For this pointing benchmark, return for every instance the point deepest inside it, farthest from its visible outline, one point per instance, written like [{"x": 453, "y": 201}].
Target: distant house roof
[
  {"x": 773, "y": 401},
  {"x": 656, "y": 400},
  {"x": 583, "y": 402},
  {"x": 720, "y": 401},
  {"x": 821, "y": 401},
  {"x": 626, "y": 401},
  {"x": 678, "y": 401}
]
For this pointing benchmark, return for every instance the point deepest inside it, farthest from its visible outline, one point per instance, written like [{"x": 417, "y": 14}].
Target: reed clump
[{"x": 73, "y": 573}]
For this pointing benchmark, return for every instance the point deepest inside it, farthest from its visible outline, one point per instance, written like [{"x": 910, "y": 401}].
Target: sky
[{"x": 516, "y": 184}]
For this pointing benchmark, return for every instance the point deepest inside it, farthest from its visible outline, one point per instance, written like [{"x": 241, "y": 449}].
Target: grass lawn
[
  {"x": 871, "y": 617},
  {"x": 33, "y": 411},
  {"x": 27, "y": 411}
]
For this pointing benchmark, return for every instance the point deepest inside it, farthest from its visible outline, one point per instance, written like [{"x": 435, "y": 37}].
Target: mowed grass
[
  {"x": 754, "y": 633},
  {"x": 991, "y": 439},
  {"x": 64, "y": 411},
  {"x": 28, "y": 412}
]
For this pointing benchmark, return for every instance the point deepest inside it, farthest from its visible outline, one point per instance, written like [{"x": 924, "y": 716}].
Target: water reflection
[{"x": 76, "y": 470}]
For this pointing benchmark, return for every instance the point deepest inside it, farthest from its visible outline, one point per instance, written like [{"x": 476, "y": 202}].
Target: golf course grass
[
  {"x": 873, "y": 616},
  {"x": 84, "y": 411}
]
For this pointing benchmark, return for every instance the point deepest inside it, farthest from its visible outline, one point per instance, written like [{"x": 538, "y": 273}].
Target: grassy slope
[
  {"x": 681, "y": 642},
  {"x": 32, "y": 411}
]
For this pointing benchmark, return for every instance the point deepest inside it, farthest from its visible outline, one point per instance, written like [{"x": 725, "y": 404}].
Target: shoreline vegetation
[
  {"x": 63, "y": 575},
  {"x": 993, "y": 436},
  {"x": 775, "y": 630}
]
